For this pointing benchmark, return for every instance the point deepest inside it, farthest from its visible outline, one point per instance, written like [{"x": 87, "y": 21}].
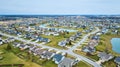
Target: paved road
[
  {"x": 69, "y": 51},
  {"x": 83, "y": 40}
]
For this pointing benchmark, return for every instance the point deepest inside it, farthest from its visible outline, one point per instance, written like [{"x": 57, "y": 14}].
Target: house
[
  {"x": 98, "y": 34},
  {"x": 95, "y": 37},
  {"x": 104, "y": 56},
  {"x": 47, "y": 55},
  {"x": 78, "y": 33},
  {"x": 55, "y": 34},
  {"x": 72, "y": 38},
  {"x": 88, "y": 49},
  {"x": 1, "y": 42},
  {"x": 39, "y": 39},
  {"x": 67, "y": 40},
  {"x": 66, "y": 62},
  {"x": 58, "y": 58},
  {"x": 37, "y": 51},
  {"x": 117, "y": 60},
  {"x": 62, "y": 43},
  {"x": 10, "y": 39},
  {"x": 47, "y": 33},
  {"x": 42, "y": 39},
  {"x": 16, "y": 44},
  {"x": 23, "y": 46},
  {"x": 92, "y": 43},
  {"x": 40, "y": 52},
  {"x": 46, "y": 40},
  {"x": 0, "y": 35}
]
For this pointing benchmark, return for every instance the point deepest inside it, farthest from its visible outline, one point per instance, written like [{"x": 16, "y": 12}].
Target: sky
[{"x": 62, "y": 7}]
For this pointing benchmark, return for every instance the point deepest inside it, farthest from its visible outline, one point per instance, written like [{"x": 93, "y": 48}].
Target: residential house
[
  {"x": 117, "y": 60},
  {"x": 73, "y": 38},
  {"x": 1, "y": 42},
  {"x": 16, "y": 44},
  {"x": 104, "y": 56},
  {"x": 95, "y": 37},
  {"x": 66, "y": 62},
  {"x": 10, "y": 39},
  {"x": 47, "y": 55},
  {"x": 23, "y": 46},
  {"x": 58, "y": 58},
  {"x": 46, "y": 40},
  {"x": 88, "y": 49},
  {"x": 42, "y": 39},
  {"x": 62, "y": 43}
]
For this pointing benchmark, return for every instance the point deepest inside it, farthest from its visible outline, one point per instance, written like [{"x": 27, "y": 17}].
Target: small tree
[
  {"x": 70, "y": 42},
  {"x": 8, "y": 47}
]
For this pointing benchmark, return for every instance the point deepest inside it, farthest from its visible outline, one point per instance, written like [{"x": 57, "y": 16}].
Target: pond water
[
  {"x": 115, "y": 44},
  {"x": 45, "y": 26}
]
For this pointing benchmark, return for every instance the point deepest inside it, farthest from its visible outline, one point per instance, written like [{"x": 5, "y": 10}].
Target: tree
[
  {"x": 8, "y": 47},
  {"x": 70, "y": 42}
]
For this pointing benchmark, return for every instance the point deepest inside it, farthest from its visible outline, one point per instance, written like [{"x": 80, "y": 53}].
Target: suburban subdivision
[{"x": 59, "y": 40}]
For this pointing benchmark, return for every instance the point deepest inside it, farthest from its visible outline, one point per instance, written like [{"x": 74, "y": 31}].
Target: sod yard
[{"x": 82, "y": 64}]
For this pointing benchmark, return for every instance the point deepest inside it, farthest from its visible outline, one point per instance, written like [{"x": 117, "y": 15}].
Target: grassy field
[
  {"x": 105, "y": 43},
  {"x": 11, "y": 58}
]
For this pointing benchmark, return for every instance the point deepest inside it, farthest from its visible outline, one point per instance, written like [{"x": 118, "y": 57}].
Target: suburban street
[
  {"x": 69, "y": 51},
  {"x": 82, "y": 40}
]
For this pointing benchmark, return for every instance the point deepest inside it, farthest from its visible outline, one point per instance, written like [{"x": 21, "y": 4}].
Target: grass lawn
[
  {"x": 109, "y": 63},
  {"x": 11, "y": 58},
  {"x": 56, "y": 39},
  {"x": 49, "y": 63},
  {"x": 82, "y": 64},
  {"x": 92, "y": 57}
]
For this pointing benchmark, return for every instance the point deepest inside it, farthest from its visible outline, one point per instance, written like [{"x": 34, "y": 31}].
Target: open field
[{"x": 11, "y": 58}]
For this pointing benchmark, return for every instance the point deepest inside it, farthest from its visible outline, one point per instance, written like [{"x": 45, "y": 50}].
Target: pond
[
  {"x": 115, "y": 44},
  {"x": 45, "y": 26}
]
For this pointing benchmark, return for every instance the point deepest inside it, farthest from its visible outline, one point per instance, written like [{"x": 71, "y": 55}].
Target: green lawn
[
  {"x": 82, "y": 64},
  {"x": 56, "y": 39},
  {"x": 49, "y": 63},
  {"x": 16, "y": 56},
  {"x": 10, "y": 58},
  {"x": 93, "y": 57},
  {"x": 110, "y": 63}
]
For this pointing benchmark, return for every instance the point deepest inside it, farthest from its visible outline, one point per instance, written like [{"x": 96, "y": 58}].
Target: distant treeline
[{"x": 7, "y": 18}]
